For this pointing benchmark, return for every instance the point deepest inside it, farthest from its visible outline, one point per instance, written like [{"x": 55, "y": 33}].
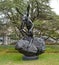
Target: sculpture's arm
[
  {"x": 22, "y": 25},
  {"x": 22, "y": 29},
  {"x": 32, "y": 26}
]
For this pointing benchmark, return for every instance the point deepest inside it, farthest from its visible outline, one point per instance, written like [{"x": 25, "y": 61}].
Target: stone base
[
  {"x": 30, "y": 57},
  {"x": 31, "y": 50}
]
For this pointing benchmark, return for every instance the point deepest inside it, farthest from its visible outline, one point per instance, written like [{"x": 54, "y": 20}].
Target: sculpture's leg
[
  {"x": 30, "y": 42},
  {"x": 22, "y": 32}
]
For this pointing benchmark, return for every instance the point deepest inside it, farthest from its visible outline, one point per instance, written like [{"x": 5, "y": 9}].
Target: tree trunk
[{"x": 5, "y": 40}]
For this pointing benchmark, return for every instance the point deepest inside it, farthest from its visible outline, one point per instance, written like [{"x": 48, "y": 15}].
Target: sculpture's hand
[
  {"x": 30, "y": 30},
  {"x": 22, "y": 30}
]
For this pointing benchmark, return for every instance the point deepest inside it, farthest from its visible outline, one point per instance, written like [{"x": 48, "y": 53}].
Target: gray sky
[{"x": 55, "y": 5}]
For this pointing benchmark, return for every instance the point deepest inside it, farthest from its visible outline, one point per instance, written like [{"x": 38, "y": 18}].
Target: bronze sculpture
[{"x": 30, "y": 46}]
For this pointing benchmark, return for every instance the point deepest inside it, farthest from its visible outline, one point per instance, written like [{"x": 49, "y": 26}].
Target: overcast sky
[{"x": 55, "y": 5}]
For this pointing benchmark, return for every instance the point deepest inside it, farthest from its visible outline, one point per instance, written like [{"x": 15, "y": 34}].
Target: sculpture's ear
[
  {"x": 28, "y": 8},
  {"x": 19, "y": 11}
]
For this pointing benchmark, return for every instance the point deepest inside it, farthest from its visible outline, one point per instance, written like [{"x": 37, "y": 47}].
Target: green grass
[
  {"x": 52, "y": 49},
  {"x": 9, "y": 56}
]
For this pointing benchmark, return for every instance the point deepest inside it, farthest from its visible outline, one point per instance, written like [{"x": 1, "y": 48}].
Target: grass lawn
[{"x": 8, "y": 56}]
